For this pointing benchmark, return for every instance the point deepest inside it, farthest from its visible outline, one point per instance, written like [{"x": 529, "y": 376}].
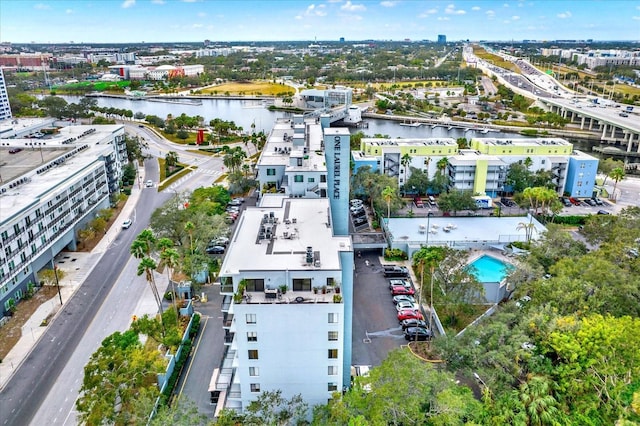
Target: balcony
[
  {"x": 228, "y": 338},
  {"x": 291, "y": 297},
  {"x": 227, "y": 320},
  {"x": 226, "y": 303}
]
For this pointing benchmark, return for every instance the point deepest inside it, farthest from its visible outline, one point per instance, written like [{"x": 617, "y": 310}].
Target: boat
[
  {"x": 485, "y": 131},
  {"x": 177, "y": 101},
  {"x": 414, "y": 124}
]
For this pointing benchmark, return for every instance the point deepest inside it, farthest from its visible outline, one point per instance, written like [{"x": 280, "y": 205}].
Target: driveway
[{"x": 376, "y": 330}]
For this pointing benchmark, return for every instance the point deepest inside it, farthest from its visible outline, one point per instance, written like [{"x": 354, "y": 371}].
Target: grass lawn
[
  {"x": 250, "y": 88},
  {"x": 497, "y": 60}
]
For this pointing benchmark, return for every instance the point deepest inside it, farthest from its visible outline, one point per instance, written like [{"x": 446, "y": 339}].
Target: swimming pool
[{"x": 488, "y": 269}]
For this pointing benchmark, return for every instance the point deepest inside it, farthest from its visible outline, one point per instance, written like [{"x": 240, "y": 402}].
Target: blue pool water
[{"x": 488, "y": 269}]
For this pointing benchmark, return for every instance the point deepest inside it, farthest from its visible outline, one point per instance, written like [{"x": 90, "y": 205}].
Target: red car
[
  {"x": 400, "y": 289},
  {"x": 409, "y": 314}
]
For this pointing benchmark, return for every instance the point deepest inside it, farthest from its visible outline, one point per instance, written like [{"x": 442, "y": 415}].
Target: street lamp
[{"x": 428, "y": 218}]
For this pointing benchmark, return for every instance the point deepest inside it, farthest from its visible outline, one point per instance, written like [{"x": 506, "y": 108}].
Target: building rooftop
[
  {"x": 275, "y": 236},
  {"x": 461, "y": 230},
  {"x": 523, "y": 142},
  {"x": 32, "y": 172},
  {"x": 410, "y": 142},
  {"x": 283, "y": 145}
]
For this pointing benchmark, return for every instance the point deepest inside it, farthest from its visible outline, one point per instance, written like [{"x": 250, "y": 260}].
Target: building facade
[
  {"x": 481, "y": 169},
  {"x": 5, "y": 107},
  {"x": 287, "y": 277},
  {"x": 50, "y": 190}
]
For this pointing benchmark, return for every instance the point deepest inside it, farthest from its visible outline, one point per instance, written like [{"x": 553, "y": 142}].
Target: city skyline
[{"x": 154, "y": 21}]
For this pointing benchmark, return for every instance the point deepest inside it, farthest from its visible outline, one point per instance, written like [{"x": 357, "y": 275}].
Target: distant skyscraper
[
  {"x": 5, "y": 108},
  {"x": 442, "y": 39}
]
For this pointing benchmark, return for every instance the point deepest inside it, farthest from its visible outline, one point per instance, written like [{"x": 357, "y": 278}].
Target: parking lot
[{"x": 376, "y": 330}]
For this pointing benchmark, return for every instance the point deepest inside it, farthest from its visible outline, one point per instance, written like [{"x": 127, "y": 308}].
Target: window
[
  {"x": 311, "y": 180},
  {"x": 271, "y": 172},
  {"x": 332, "y": 387},
  {"x": 332, "y": 370},
  {"x": 582, "y": 165},
  {"x": 333, "y": 335},
  {"x": 251, "y": 318},
  {"x": 333, "y": 318},
  {"x": 253, "y": 353},
  {"x": 333, "y": 353},
  {"x": 298, "y": 178},
  {"x": 252, "y": 336},
  {"x": 302, "y": 284},
  {"x": 323, "y": 178},
  {"x": 254, "y": 371},
  {"x": 255, "y": 387},
  {"x": 254, "y": 284}
]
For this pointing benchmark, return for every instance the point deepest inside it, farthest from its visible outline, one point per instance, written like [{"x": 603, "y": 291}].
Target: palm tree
[
  {"x": 405, "y": 161},
  {"x": 388, "y": 193},
  {"x": 189, "y": 227},
  {"x": 617, "y": 175},
  {"x": 442, "y": 164},
  {"x": 540, "y": 404},
  {"x": 146, "y": 266},
  {"x": 528, "y": 229},
  {"x": 528, "y": 162},
  {"x": 169, "y": 257}
]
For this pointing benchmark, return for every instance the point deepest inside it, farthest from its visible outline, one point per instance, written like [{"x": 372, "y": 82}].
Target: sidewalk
[{"x": 76, "y": 266}]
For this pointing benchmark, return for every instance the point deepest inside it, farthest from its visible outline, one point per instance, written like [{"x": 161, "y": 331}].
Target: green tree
[
  {"x": 115, "y": 375},
  {"x": 607, "y": 165},
  {"x": 456, "y": 200},
  {"x": 617, "y": 175},
  {"x": 171, "y": 159},
  {"x": 388, "y": 193},
  {"x": 405, "y": 160},
  {"x": 271, "y": 408}
]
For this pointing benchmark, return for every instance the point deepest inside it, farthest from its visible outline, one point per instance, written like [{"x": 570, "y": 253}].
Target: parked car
[
  {"x": 597, "y": 200},
  {"x": 400, "y": 289},
  {"x": 403, "y": 297},
  {"x": 591, "y": 202},
  {"x": 603, "y": 212},
  {"x": 234, "y": 202},
  {"x": 214, "y": 250},
  {"x": 409, "y": 313},
  {"x": 395, "y": 282},
  {"x": 148, "y": 183},
  {"x": 359, "y": 221},
  {"x": 355, "y": 203},
  {"x": 405, "y": 304},
  {"x": 395, "y": 271},
  {"x": 413, "y": 322},
  {"x": 574, "y": 201},
  {"x": 127, "y": 224},
  {"x": 566, "y": 202},
  {"x": 220, "y": 241},
  {"x": 418, "y": 202},
  {"x": 15, "y": 150},
  {"x": 359, "y": 213},
  {"x": 417, "y": 333}
]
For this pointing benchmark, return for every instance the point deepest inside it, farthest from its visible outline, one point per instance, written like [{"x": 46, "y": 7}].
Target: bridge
[{"x": 617, "y": 126}]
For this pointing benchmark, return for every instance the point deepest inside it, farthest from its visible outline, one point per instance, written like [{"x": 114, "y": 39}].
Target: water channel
[{"x": 247, "y": 112}]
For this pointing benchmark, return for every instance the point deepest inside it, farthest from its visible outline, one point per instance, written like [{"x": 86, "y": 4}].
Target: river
[{"x": 247, "y": 112}]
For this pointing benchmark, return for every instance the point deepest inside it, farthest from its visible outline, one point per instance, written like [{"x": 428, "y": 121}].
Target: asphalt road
[{"x": 376, "y": 330}]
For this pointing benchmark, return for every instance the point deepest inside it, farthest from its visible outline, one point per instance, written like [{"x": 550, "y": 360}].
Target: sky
[{"x": 135, "y": 21}]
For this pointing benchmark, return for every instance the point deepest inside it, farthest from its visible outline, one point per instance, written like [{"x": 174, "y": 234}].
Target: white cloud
[
  {"x": 189, "y": 1},
  {"x": 564, "y": 15},
  {"x": 505, "y": 5},
  {"x": 388, "y": 3},
  {"x": 202, "y": 14},
  {"x": 69, "y": 11},
  {"x": 451, "y": 10},
  {"x": 157, "y": 1},
  {"x": 350, "y": 7},
  {"x": 126, "y": 4},
  {"x": 197, "y": 26},
  {"x": 490, "y": 13},
  {"x": 426, "y": 13},
  {"x": 515, "y": 18},
  {"x": 443, "y": 18},
  {"x": 42, "y": 6},
  {"x": 476, "y": 8},
  {"x": 314, "y": 10},
  {"x": 636, "y": 18}
]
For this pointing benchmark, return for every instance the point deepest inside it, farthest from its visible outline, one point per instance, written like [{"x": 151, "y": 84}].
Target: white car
[
  {"x": 149, "y": 183},
  {"x": 405, "y": 304},
  {"x": 127, "y": 224}
]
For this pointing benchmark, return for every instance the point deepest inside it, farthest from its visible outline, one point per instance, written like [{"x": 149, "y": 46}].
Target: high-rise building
[
  {"x": 5, "y": 108},
  {"x": 287, "y": 277},
  {"x": 442, "y": 39}
]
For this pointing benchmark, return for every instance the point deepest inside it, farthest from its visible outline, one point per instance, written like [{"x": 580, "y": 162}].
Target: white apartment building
[
  {"x": 50, "y": 189},
  {"x": 5, "y": 108},
  {"x": 287, "y": 277}
]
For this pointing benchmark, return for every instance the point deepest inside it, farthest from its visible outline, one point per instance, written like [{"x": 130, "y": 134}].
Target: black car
[
  {"x": 566, "y": 202},
  {"x": 417, "y": 333},
  {"x": 413, "y": 322},
  {"x": 603, "y": 212},
  {"x": 591, "y": 202},
  {"x": 359, "y": 221},
  {"x": 598, "y": 201},
  {"x": 358, "y": 213},
  {"x": 15, "y": 150},
  {"x": 215, "y": 250}
]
